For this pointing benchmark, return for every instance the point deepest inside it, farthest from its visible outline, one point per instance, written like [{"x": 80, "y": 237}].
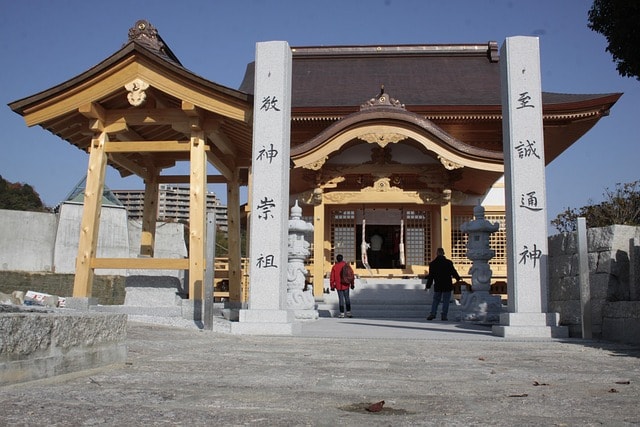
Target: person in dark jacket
[
  {"x": 336, "y": 283},
  {"x": 441, "y": 271}
]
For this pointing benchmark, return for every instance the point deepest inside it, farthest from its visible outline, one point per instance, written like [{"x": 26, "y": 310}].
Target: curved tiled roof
[{"x": 417, "y": 75}]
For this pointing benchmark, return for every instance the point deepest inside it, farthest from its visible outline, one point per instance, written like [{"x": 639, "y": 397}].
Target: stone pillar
[
  {"x": 267, "y": 306},
  {"x": 525, "y": 191},
  {"x": 585, "y": 288}
]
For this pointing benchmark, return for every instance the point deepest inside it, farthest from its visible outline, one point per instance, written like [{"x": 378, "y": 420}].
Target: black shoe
[
  {"x": 431, "y": 317},
  {"x": 444, "y": 318}
]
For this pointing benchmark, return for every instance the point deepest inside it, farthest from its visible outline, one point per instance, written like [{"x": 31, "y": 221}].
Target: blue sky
[{"x": 43, "y": 43}]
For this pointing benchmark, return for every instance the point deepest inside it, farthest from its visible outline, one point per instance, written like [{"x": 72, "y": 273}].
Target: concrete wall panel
[{"x": 26, "y": 240}]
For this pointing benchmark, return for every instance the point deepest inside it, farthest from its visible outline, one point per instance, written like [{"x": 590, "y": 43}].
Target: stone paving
[{"x": 428, "y": 373}]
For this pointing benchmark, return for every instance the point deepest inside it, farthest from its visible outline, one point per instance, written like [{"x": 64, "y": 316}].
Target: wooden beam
[
  {"x": 115, "y": 127},
  {"x": 149, "y": 214},
  {"x": 184, "y": 179},
  {"x": 149, "y": 146},
  {"x": 225, "y": 170},
  {"x": 319, "y": 253},
  {"x": 221, "y": 141},
  {"x": 141, "y": 263},
  {"x": 93, "y": 110},
  {"x": 233, "y": 232},
  {"x": 128, "y": 135},
  {"x": 197, "y": 216},
  {"x": 151, "y": 116},
  {"x": 127, "y": 164},
  {"x": 83, "y": 281},
  {"x": 191, "y": 110}
]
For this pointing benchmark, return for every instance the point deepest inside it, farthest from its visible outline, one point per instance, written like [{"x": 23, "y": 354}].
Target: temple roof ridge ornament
[
  {"x": 382, "y": 100},
  {"x": 147, "y": 35}
]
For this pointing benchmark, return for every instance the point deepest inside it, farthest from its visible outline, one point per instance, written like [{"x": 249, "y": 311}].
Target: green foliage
[
  {"x": 617, "y": 21},
  {"x": 19, "y": 197},
  {"x": 620, "y": 206},
  {"x": 222, "y": 243}
]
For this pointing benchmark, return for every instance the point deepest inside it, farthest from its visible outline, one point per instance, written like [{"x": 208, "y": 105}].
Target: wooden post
[
  {"x": 90, "y": 224},
  {"x": 149, "y": 215},
  {"x": 445, "y": 227},
  {"x": 234, "y": 238},
  {"x": 197, "y": 210},
  {"x": 319, "y": 258}
]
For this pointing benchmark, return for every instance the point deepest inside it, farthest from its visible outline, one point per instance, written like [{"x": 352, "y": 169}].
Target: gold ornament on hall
[{"x": 382, "y": 139}]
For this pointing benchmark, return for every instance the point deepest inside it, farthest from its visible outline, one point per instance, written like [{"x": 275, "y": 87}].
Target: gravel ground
[{"x": 180, "y": 375}]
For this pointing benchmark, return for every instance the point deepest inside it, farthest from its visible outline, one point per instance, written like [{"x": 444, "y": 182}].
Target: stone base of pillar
[
  {"x": 266, "y": 322},
  {"x": 530, "y": 325},
  {"x": 304, "y": 315}
]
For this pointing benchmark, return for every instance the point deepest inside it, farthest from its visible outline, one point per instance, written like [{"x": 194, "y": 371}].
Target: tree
[
  {"x": 617, "y": 21},
  {"x": 621, "y": 206},
  {"x": 19, "y": 197}
]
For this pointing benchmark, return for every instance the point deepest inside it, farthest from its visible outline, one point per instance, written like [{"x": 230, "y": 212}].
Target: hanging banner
[
  {"x": 401, "y": 246},
  {"x": 364, "y": 247}
]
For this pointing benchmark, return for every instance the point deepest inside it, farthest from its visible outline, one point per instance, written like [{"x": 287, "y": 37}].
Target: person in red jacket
[{"x": 336, "y": 282}]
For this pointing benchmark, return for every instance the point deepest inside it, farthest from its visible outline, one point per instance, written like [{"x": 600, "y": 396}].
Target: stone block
[
  {"x": 570, "y": 243},
  {"x": 42, "y": 344},
  {"x": 621, "y": 330},
  {"x": 602, "y": 286},
  {"x": 621, "y": 309},
  {"x": 561, "y": 266},
  {"x": 570, "y": 311},
  {"x": 600, "y": 239},
  {"x": 556, "y": 245},
  {"x": 566, "y": 288}
]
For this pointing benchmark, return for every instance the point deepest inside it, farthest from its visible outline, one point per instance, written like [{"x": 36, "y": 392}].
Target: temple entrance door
[
  {"x": 385, "y": 247},
  {"x": 384, "y": 222},
  {"x": 346, "y": 237}
]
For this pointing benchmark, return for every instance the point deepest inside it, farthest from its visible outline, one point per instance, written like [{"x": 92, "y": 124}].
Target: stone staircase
[{"x": 385, "y": 298}]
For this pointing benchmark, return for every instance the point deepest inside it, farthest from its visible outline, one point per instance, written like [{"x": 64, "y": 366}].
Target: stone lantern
[
  {"x": 299, "y": 297},
  {"x": 479, "y": 305}
]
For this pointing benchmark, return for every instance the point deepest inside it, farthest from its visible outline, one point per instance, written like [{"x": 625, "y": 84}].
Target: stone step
[
  {"x": 386, "y": 311},
  {"x": 173, "y": 311}
]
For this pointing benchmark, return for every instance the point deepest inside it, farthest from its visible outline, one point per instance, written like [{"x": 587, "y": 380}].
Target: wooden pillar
[
  {"x": 318, "y": 249},
  {"x": 234, "y": 239},
  {"x": 90, "y": 224},
  {"x": 197, "y": 215},
  {"x": 149, "y": 215},
  {"x": 445, "y": 227}
]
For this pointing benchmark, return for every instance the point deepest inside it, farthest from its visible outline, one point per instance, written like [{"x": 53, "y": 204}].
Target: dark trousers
[
  {"x": 343, "y": 299},
  {"x": 445, "y": 297}
]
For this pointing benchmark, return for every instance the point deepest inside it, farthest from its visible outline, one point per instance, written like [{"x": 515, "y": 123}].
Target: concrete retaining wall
[
  {"x": 35, "y": 345},
  {"x": 108, "y": 290},
  {"x": 113, "y": 237},
  {"x": 44, "y": 242},
  {"x": 614, "y": 282},
  {"x": 27, "y": 240}
]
